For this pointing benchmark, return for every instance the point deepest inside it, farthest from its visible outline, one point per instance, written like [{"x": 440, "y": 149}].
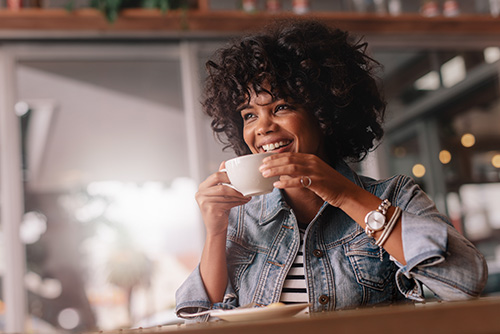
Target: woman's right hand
[{"x": 216, "y": 199}]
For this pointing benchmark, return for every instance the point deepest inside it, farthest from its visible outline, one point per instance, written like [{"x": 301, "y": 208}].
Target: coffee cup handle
[{"x": 227, "y": 184}]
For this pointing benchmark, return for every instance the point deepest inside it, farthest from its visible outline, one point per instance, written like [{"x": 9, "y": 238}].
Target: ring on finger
[{"x": 305, "y": 181}]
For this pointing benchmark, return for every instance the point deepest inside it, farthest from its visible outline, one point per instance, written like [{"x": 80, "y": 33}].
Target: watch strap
[{"x": 384, "y": 206}]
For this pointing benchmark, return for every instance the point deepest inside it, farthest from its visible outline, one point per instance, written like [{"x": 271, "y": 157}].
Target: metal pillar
[{"x": 11, "y": 199}]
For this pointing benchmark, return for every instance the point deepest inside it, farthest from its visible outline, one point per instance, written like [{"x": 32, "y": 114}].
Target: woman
[{"x": 309, "y": 94}]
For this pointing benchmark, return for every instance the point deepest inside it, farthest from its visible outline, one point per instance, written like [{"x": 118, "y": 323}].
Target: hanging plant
[
  {"x": 160, "y": 4},
  {"x": 112, "y": 8}
]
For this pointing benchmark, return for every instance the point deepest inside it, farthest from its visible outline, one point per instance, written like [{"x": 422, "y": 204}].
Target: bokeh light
[
  {"x": 33, "y": 226},
  {"x": 418, "y": 170},
  {"x": 399, "y": 151},
  {"x": 495, "y": 161},
  {"x": 69, "y": 318},
  {"x": 445, "y": 157},
  {"x": 468, "y": 140}
]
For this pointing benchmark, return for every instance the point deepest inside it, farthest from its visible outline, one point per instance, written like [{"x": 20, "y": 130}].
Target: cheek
[
  {"x": 248, "y": 138},
  {"x": 313, "y": 134}
]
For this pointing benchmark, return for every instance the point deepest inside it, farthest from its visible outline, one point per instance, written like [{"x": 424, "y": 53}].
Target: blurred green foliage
[{"x": 111, "y": 8}]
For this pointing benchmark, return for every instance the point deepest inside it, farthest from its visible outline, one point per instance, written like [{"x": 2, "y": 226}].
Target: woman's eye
[
  {"x": 248, "y": 116},
  {"x": 281, "y": 107}
]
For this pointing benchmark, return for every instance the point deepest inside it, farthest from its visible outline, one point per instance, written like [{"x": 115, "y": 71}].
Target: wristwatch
[{"x": 375, "y": 220}]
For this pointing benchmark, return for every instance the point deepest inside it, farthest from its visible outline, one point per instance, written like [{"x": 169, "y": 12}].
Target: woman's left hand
[{"x": 326, "y": 182}]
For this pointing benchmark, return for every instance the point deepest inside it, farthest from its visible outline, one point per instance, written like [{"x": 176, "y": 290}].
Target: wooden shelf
[
  {"x": 203, "y": 22},
  {"x": 87, "y": 20}
]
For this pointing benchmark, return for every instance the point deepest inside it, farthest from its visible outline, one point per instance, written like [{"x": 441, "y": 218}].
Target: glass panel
[
  {"x": 463, "y": 149},
  {"x": 472, "y": 174},
  {"x": 111, "y": 228}
]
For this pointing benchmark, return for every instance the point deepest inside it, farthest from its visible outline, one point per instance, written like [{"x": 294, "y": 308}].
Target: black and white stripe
[{"x": 294, "y": 288}]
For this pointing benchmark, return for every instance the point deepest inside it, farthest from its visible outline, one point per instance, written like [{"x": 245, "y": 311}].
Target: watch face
[{"x": 376, "y": 220}]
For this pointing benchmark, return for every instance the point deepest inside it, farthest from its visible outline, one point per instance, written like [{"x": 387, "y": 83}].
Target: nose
[{"x": 265, "y": 125}]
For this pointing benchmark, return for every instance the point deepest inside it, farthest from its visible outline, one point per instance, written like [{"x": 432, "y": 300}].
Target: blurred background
[{"x": 103, "y": 143}]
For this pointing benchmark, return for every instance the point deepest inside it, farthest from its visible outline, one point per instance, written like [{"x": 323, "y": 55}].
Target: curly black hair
[{"x": 320, "y": 68}]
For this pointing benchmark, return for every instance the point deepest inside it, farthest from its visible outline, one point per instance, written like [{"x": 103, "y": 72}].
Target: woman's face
[{"x": 278, "y": 126}]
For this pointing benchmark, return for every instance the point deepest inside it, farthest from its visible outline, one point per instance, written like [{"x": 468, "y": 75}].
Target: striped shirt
[{"x": 294, "y": 288}]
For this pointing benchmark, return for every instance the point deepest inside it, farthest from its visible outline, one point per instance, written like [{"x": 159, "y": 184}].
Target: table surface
[{"x": 474, "y": 316}]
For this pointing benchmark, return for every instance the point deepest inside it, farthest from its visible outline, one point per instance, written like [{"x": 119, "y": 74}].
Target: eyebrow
[
  {"x": 249, "y": 106},
  {"x": 243, "y": 107}
]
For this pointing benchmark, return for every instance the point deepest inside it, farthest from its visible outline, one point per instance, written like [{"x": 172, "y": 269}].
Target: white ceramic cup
[{"x": 245, "y": 177}]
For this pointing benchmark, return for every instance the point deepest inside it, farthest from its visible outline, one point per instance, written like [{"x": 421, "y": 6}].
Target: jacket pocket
[
  {"x": 238, "y": 259},
  {"x": 364, "y": 257}
]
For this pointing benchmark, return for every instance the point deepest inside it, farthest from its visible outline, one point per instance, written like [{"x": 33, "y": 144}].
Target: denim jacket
[{"x": 343, "y": 267}]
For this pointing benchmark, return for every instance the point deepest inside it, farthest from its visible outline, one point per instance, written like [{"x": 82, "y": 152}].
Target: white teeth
[{"x": 273, "y": 146}]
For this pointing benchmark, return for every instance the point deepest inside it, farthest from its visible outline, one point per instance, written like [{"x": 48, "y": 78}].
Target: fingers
[
  {"x": 290, "y": 164},
  {"x": 293, "y": 182},
  {"x": 296, "y": 170},
  {"x": 215, "y": 191},
  {"x": 222, "y": 191},
  {"x": 214, "y": 179},
  {"x": 215, "y": 200}
]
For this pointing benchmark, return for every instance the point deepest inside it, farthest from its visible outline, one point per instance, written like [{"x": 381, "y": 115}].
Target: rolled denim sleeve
[
  {"x": 436, "y": 254},
  {"x": 192, "y": 298}
]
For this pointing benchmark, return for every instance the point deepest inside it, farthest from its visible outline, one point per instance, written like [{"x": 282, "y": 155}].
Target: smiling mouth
[{"x": 274, "y": 146}]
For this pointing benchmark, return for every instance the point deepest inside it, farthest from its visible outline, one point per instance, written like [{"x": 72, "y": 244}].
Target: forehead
[{"x": 261, "y": 98}]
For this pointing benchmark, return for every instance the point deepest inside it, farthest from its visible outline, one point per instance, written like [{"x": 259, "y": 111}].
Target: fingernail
[{"x": 266, "y": 172}]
